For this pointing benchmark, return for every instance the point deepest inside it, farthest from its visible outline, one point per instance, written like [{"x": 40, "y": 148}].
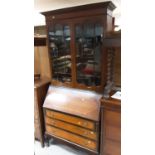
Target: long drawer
[
  {"x": 72, "y": 137},
  {"x": 71, "y": 119},
  {"x": 72, "y": 128}
]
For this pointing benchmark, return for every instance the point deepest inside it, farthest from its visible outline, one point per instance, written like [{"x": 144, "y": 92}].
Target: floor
[{"x": 55, "y": 149}]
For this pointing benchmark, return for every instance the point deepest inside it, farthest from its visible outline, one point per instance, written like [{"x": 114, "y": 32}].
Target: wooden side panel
[
  {"x": 112, "y": 148},
  {"x": 72, "y": 137},
  {"x": 44, "y": 62},
  {"x": 37, "y": 131},
  {"x": 109, "y": 24},
  {"x": 117, "y": 69},
  {"x": 40, "y": 90},
  {"x": 72, "y": 128},
  {"x": 36, "y": 61},
  {"x": 110, "y": 143},
  {"x": 113, "y": 118},
  {"x": 113, "y": 125},
  {"x": 71, "y": 119},
  {"x": 113, "y": 132}
]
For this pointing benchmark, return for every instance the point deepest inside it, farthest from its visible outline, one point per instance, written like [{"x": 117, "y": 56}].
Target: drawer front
[
  {"x": 72, "y": 128},
  {"x": 112, "y": 148},
  {"x": 72, "y": 137},
  {"x": 71, "y": 119}
]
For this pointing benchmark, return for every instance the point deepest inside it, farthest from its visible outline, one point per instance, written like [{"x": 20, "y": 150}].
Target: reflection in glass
[
  {"x": 59, "y": 41},
  {"x": 88, "y": 53}
]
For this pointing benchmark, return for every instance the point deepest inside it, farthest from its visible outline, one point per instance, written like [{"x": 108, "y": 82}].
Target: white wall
[{"x": 39, "y": 19}]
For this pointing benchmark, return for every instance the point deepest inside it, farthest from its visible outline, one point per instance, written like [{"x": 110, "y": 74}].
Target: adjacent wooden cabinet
[
  {"x": 110, "y": 127},
  {"x": 75, "y": 44},
  {"x": 40, "y": 90}
]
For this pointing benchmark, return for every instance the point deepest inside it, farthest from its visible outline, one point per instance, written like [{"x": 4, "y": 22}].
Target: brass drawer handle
[
  {"x": 79, "y": 123},
  {"x": 83, "y": 123},
  {"x": 87, "y": 142},
  {"x": 92, "y": 133}
]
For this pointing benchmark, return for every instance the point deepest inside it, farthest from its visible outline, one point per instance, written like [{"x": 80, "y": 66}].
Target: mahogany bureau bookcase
[{"x": 78, "y": 65}]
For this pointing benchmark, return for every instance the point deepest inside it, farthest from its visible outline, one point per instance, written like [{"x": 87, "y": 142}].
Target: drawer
[
  {"x": 112, "y": 148},
  {"x": 71, "y": 119},
  {"x": 72, "y": 128},
  {"x": 72, "y": 137}
]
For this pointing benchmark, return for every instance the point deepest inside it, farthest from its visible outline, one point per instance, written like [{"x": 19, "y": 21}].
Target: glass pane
[
  {"x": 88, "y": 53},
  {"x": 59, "y": 36}
]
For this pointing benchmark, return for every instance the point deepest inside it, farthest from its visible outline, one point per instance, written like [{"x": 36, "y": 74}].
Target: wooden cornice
[{"x": 107, "y": 4}]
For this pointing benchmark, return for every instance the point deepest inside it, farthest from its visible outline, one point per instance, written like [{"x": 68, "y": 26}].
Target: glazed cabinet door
[
  {"x": 88, "y": 40},
  {"x": 76, "y": 53},
  {"x": 60, "y": 51}
]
